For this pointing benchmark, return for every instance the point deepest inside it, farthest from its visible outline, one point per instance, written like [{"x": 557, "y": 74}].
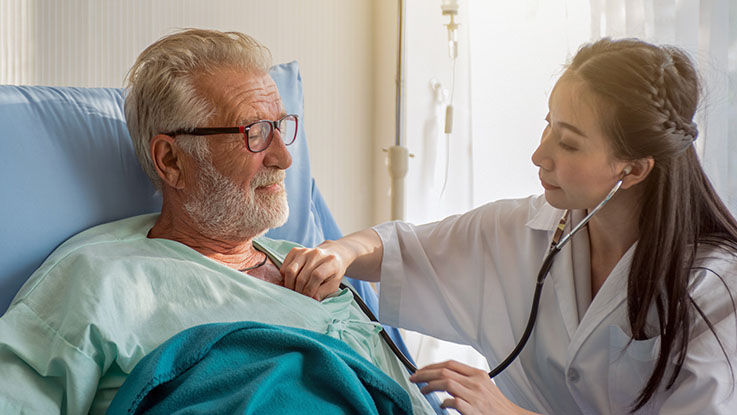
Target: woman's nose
[{"x": 540, "y": 156}]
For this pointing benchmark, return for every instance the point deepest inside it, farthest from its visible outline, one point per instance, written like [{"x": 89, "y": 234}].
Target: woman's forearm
[
  {"x": 317, "y": 272},
  {"x": 362, "y": 251}
]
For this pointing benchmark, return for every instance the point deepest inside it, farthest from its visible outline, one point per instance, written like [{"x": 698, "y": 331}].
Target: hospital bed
[{"x": 68, "y": 164}]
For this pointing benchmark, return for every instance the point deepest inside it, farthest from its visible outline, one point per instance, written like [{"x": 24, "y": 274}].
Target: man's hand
[
  {"x": 471, "y": 389},
  {"x": 314, "y": 272}
]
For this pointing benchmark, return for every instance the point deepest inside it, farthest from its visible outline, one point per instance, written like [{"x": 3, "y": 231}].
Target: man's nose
[{"x": 277, "y": 155}]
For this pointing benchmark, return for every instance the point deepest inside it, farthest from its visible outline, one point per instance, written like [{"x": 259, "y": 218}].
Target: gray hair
[{"x": 160, "y": 92}]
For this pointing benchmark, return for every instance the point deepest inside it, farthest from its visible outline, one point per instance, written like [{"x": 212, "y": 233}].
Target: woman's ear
[
  {"x": 167, "y": 159},
  {"x": 636, "y": 171}
]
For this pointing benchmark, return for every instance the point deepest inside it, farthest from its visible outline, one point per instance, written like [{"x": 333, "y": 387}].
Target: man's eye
[{"x": 256, "y": 130}]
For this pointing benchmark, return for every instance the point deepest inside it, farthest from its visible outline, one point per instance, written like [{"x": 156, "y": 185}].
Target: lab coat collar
[
  {"x": 563, "y": 273},
  {"x": 542, "y": 216}
]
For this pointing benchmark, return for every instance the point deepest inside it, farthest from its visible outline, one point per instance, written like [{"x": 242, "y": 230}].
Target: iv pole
[{"x": 397, "y": 154}]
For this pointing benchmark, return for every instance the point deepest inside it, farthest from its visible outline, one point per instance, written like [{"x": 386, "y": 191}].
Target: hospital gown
[
  {"x": 470, "y": 279},
  {"x": 110, "y": 295}
]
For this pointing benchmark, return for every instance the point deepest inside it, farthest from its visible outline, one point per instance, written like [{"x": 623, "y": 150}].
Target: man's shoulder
[
  {"x": 96, "y": 247},
  {"x": 121, "y": 229},
  {"x": 101, "y": 237}
]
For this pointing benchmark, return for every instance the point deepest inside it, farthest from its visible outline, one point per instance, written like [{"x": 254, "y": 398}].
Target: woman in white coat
[{"x": 638, "y": 312}]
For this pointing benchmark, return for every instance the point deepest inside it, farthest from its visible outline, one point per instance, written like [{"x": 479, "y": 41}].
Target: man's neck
[{"x": 177, "y": 226}]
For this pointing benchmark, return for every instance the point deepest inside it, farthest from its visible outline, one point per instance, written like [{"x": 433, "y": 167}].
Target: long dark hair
[{"x": 650, "y": 94}]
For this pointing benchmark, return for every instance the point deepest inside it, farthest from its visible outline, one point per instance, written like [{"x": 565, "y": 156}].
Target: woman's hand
[
  {"x": 315, "y": 272},
  {"x": 471, "y": 389}
]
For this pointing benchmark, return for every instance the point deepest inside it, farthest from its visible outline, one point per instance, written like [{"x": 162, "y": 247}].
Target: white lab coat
[{"x": 470, "y": 279}]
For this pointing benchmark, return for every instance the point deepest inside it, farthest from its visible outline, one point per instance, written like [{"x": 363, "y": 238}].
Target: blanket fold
[{"x": 255, "y": 368}]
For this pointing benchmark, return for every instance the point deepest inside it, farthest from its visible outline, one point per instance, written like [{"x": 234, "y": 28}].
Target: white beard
[{"x": 224, "y": 211}]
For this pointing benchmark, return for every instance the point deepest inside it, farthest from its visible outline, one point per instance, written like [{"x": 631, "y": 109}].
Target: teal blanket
[{"x": 254, "y": 368}]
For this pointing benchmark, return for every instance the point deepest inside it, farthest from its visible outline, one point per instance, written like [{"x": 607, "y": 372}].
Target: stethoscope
[{"x": 556, "y": 244}]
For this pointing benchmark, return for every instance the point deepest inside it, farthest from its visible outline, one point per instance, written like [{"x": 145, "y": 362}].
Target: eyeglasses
[{"x": 257, "y": 135}]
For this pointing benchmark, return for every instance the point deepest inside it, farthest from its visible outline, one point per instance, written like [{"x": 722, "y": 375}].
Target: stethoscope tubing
[
  {"x": 388, "y": 340},
  {"x": 555, "y": 247},
  {"x": 544, "y": 269}
]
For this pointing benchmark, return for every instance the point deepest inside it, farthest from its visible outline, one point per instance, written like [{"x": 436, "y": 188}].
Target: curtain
[
  {"x": 707, "y": 29},
  {"x": 511, "y": 79}
]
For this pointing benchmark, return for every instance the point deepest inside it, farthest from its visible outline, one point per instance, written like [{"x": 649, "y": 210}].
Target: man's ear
[
  {"x": 167, "y": 159},
  {"x": 638, "y": 171}
]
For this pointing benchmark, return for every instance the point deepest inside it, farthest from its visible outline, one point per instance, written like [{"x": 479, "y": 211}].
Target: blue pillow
[{"x": 67, "y": 164}]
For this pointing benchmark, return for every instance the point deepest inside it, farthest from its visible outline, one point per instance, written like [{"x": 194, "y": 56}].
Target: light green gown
[{"x": 110, "y": 295}]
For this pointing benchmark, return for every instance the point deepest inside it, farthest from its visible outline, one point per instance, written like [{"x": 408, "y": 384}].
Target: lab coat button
[{"x": 573, "y": 375}]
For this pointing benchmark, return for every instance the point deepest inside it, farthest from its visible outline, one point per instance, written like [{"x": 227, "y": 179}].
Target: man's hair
[{"x": 161, "y": 94}]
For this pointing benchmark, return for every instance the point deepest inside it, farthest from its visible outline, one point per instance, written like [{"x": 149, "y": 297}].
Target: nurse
[{"x": 638, "y": 311}]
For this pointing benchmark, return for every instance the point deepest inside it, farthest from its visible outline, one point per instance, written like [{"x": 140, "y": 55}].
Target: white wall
[
  {"x": 386, "y": 32},
  {"x": 93, "y": 43},
  {"x": 512, "y": 79}
]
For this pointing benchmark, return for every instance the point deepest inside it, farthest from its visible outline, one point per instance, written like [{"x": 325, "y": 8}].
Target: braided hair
[
  {"x": 650, "y": 94},
  {"x": 681, "y": 130}
]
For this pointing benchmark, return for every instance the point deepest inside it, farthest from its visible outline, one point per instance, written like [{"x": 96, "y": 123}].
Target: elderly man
[{"x": 196, "y": 106}]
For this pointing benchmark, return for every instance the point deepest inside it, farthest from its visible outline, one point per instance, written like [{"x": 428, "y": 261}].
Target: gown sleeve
[{"x": 41, "y": 372}]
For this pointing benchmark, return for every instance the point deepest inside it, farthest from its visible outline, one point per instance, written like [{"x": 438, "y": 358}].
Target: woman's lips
[{"x": 548, "y": 186}]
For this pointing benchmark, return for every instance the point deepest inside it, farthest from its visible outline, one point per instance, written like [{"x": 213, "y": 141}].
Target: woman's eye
[{"x": 566, "y": 146}]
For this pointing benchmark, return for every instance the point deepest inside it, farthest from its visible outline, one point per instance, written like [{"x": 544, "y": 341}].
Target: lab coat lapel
[
  {"x": 561, "y": 274},
  {"x": 610, "y": 296},
  {"x": 546, "y": 218}
]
